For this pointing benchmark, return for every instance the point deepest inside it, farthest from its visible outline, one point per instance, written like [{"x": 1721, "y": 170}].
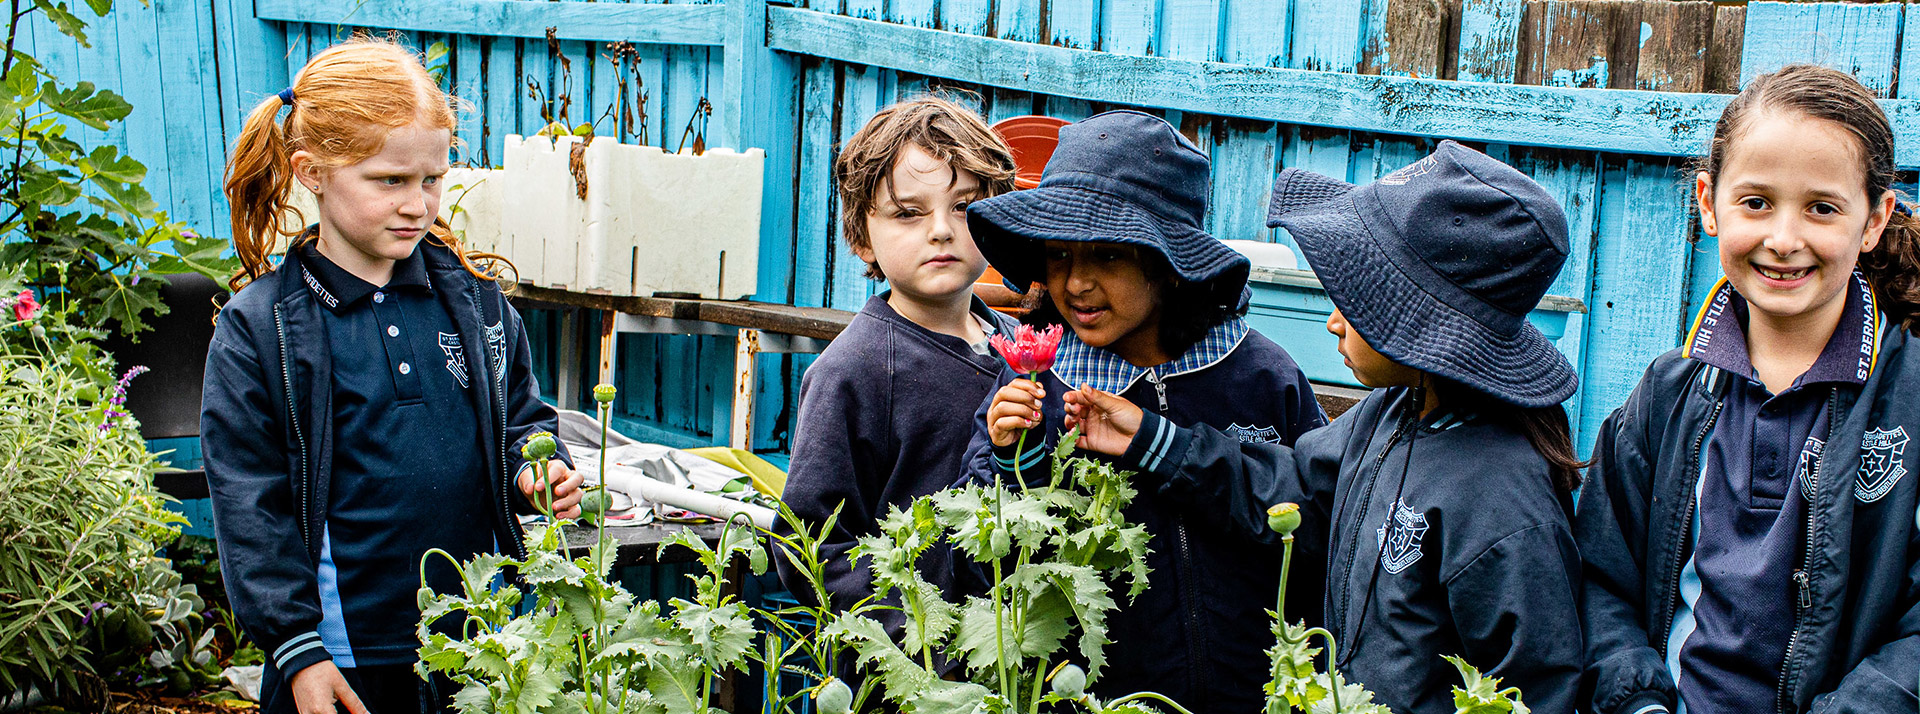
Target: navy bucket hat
[
  {"x": 1437, "y": 265},
  {"x": 1118, "y": 177}
]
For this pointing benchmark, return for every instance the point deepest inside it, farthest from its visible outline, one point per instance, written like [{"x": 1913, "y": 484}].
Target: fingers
[
  {"x": 1015, "y": 407},
  {"x": 566, "y": 489},
  {"x": 344, "y": 694}
]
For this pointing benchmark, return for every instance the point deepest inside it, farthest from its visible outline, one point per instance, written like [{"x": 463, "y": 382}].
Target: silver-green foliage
[
  {"x": 585, "y": 646},
  {"x": 79, "y": 523},
  {"x": 1055, "y": 553}
]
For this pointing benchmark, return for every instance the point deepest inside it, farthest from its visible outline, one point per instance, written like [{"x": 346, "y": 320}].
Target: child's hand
[
  {"x": 1107, "y": 423},
  {"x": 566, "y": 488},
  {"x": 1015, "y": 408},
  {"x": 318, "y": 687}
]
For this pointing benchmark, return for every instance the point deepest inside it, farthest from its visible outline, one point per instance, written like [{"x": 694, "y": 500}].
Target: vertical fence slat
[
  {"x": 1724, "y": 48},
  {"x": 863, "y": 9},
  {"x": 1405, "y": 38},
  {"x": 1326, "y": 35},
  {"x": 1576, "y": 43},
  {"x": 502, "y": 98},
  {"x": 178, "y": 73},
  {"x": 1488, "y": 40},
  {"x": 1640, "y": 257},
  {"x": 918, "y": 13},
  {"x": 468, "y": 84},
  {"x": 1258, "y": 32},
  {"x": 1129, "y": 26},
  {"x": 1072, "y": 23},
  {"x": 965, "y": 16},
  {"x": 1243, "y": 161},
  {"x": 1573, "y": 179},
  {"x": 1674, "y": 38},
  {"x": 1190, "y": 29},
  {"x": 1909, "y": 86},
  {"x": 861, "y": 94},
  {"x": 815, "y": 247},
  {"x": 1018, "y": 19},
  {"x": 1859, "y": 39}
]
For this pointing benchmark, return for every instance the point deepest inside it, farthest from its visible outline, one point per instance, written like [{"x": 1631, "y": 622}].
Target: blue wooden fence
[{"x": 1600, "y": 102}]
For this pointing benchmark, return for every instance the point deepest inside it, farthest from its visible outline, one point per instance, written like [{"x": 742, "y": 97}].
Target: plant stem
[
  {"x": 13, "y": 31},
  {"x": 999, "y": 625},
  {"x": 1286, "y": 564},
  {"x": 1169, "y": 702},
  {"x": 1033, "y": 701}
]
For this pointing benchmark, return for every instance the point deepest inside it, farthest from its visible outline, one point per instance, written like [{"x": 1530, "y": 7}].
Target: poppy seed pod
[
  {"x": 1283, "y": 518},
  {"x": 604, "y": 393},
  {"x": 1069, "y": 681},
  {"x": 540, "y": 447},
  {"x": 833, "y": 697}
]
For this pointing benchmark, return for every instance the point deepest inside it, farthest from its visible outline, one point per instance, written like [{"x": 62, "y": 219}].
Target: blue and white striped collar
[{"x": 1077, "y": 363}]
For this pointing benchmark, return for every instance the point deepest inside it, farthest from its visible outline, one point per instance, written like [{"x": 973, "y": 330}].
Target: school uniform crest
[
  {"x": 1400, "y": 538},
  {"x": 1254, "y": 434},
  {"x": 1882, "y": 463},
  {"x": 456, "y": 357},
  {"x": 1804, "y": 472},
  {"x": 497, "y": 349}
]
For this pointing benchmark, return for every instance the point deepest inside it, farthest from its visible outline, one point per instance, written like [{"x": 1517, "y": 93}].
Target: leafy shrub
[{"x": 79, "y": 522}]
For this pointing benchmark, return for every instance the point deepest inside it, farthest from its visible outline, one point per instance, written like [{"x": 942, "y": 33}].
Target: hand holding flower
[
  {"x": 1015, "y": 409},
  {"x": 1107, "y": 422}
]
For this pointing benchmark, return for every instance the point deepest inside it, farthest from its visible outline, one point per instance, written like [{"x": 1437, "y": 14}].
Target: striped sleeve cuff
[
  {"x": 1157, "y": 440},
  {"x": 1645, "y": 702},
  {"x": 299, "y": 653},
  {"x": 1030, "y": 463}
]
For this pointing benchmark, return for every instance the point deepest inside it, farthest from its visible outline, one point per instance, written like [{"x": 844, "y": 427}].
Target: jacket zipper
[
  {"x": 1346, "y": 567},
  {"x": 1686, "y": 523},
  {"x": 299, "y": 436},
  {"x": 1802, "y": 578},
  {"x": 1159, "y": 389},
  {"x": 510, "y": 524}
]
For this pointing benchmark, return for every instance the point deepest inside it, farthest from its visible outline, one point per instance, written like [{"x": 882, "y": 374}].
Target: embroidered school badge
[
  {"x": 1254, "y": 434},
  {"x": 1804, "y": 473},
  {"x": 1882, "y": 463},
  {"x": 1409, "y": 172},
  {"x": 1400, "y": 538},
  {"x": 456, "y": 357},
  {"x": 497, "y": 349}
]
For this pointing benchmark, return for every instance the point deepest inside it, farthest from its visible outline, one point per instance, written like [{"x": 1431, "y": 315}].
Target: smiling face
[
  {"x": 1106, "y": 295},
  {"x": 374, "y": 212},
  {"x": 918, "y": 234},
  {"x": 1790, "y": 209}
]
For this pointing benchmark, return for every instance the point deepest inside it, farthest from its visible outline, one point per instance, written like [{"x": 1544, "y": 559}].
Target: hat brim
[
  {"x": 1411, "y": 326},
  {"x": 1011, "y": 230}
]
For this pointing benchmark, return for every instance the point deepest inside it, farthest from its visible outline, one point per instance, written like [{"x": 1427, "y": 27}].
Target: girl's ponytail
[
  {"x": 1893, "y": 268},
  {"x": 259, "y": 175}
]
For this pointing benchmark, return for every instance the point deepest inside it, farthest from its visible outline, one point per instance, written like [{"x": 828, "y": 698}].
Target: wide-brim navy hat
[
  {"x": 1119, "y": 177},
  {"x": 1437, "y": 266}
]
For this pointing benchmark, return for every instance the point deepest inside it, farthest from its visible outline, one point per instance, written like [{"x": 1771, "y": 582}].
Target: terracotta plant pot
[{"x": 1032, "y": 139}]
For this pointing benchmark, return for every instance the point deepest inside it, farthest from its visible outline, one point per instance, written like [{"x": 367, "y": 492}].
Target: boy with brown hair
[{"x": 883, "y": 410}]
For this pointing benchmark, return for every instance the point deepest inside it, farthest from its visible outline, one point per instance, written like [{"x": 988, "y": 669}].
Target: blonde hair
[
  {"x": 950, "y": 132},
  {"x": 344, "y": 103}
]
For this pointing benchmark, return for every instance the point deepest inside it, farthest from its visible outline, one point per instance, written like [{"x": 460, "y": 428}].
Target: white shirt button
[
  {"x": 406, "y": 368},
  {"x": 393, "y": 330},
  {"x": 379, "y": 297}
]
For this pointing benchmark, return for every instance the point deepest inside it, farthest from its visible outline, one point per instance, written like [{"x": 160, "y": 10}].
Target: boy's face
[
  {"x": 921, "y": 241},
  {"x": 1106, "y": 296},
  {"x": 1369, "y": 366}
]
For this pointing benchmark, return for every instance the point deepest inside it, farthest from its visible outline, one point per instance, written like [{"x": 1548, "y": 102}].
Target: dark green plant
[
  {"x": 75, "y": 224},
  {"x": 79, "y": 523}
]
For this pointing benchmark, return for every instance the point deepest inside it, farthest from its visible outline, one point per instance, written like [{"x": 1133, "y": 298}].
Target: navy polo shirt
[
  {"x": 1737, "y": 590},
  {"x": 408, "y": 469}
]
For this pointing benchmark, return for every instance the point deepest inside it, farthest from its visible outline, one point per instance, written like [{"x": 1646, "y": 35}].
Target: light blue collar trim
[{"x": 1078, "y": 364}]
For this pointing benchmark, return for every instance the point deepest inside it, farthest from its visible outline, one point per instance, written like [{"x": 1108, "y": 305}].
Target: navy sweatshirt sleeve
[
  {"x": 830, "y": 451},
  {"x": 1624, "y": 673},
  {"x": 984, "y": 461},
  {"x": 526, "y": 412},
  {"x": 1201, "y": 466},
  {"x": 1525, "y": 572},
  {"x": 270, "y": 575}
]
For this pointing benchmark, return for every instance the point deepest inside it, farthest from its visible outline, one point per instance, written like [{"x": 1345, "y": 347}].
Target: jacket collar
[
  {"x": 338, "y": 290},
  {"x": 1078, "y": 363},
  {"x": 1718, "y": 337}
]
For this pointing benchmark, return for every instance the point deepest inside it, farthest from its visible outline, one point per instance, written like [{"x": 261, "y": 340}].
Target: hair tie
[
  {"x": 1905, "y": 209},
  {"x": 286, "y": 96}
]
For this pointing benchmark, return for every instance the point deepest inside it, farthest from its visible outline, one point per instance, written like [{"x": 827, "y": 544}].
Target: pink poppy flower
[
  {"x": 24, "y": 306},
  {"x": 1030, "y": 351}
]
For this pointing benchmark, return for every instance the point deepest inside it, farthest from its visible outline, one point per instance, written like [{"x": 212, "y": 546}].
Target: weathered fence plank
[
  {"x": 1488, "y": 38},
  {"x": 1674, "y": 39},
  {"x": 1258, "y": 33},
  {"x": 1862, "y": 40},
  {"x": 1577, "y": 43},
  {"x": 1326, "y": 35},
  {"x": 1405, "y": 38},
  {"x": 652, "y": 23},
  {"x": 1640, "y": 260}
]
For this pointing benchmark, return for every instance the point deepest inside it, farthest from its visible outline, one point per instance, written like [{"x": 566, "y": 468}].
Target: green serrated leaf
[
  {"x": 63, "y": 19},
  {"x": 106, "y": 163},
  {"x": 81, "y": 103}
]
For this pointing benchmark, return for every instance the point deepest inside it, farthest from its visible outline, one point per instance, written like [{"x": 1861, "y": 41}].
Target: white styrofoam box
[
  {"x": 651, "y": 222},
  {"x": 1265, "y": 255},
  {"x": 701, "y": 231}
]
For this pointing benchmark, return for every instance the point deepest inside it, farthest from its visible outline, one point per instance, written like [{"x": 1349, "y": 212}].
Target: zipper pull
[
  {"x": 1805, "y": 585},
  {"x": 1159, "y": 389}
]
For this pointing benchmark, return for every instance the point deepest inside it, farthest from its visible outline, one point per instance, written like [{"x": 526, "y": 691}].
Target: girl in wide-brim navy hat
[
  {"x": 1154, "y": 305},
  {"x": 1462, "y": 548}
]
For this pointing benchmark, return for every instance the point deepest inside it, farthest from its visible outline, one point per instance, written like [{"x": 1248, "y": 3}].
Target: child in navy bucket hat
[
  {"x": 1465, "y": 549},
  {"x": 1153, "y": 304}
]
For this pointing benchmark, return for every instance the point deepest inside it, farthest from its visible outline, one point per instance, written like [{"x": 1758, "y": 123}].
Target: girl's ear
[
  {"x": 1877, "y": 221},
  {"x": 1703, "y": 197},
  {"x": 306, "y": 171}
]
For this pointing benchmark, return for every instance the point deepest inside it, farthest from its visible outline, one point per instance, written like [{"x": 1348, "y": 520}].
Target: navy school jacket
[
  {"x": 1856, "y": 641},
  {"x": 881, "y": 422},
  {"x": 1459, "y": 546},
  {"x": 266, "y": 430},
  {"x": 1198, "y": 634}
]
